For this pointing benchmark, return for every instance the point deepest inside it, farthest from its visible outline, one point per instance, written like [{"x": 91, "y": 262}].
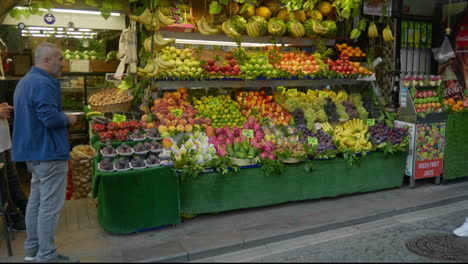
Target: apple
[{"x": 211, "y": 62}]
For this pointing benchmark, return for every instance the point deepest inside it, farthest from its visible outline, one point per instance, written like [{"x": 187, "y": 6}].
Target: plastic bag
[{"x": 445, "y": 52}]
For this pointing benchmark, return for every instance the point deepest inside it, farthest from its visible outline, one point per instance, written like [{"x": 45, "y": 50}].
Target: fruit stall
[{"x": 241, "y": 104}]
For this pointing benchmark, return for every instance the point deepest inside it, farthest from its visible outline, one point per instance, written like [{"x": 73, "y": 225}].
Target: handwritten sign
[
  {"x": 248, "y": 133},
  {"x": 213, "y": 103},
  {"x": 312, "y": 140},
  {"x": 119, "y": 118},
  {"x": 177, "y": 112},
  {"x": 371, "y": 122}
]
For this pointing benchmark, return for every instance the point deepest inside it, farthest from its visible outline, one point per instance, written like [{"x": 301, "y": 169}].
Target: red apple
[{"x": 211, "y": 62}]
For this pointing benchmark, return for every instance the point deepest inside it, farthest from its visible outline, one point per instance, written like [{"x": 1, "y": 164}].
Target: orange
[
  {"x": 344, "y": 45},
  {"x": 460, "y": 103},
  {"x": 451, "y": 101}
]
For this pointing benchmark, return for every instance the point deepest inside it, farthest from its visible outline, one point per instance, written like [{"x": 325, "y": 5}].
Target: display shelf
[
  {"x": 254, "y": 83},
  {"x": 246, "y": 39}
]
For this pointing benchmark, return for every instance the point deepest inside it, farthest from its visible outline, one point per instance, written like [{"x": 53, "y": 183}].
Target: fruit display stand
[
  {"x": 456, "y": 147},
  {"x": 135, "y": 200},
  {"x": 213, "y": 192},
  {"x": 427, "y": 130}
]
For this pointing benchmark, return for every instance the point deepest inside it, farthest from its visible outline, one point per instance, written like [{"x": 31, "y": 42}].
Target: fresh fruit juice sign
[{"x": 430, "y": 141}]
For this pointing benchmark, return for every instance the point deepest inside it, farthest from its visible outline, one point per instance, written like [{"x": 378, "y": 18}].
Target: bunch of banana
[
  {"x": 159, "y": 42},
  {"x": 387, "y": 34},
  {"x": 326, "y": 127},
  {"x": 229, "y": 30},
  {"x": 352, "y": 135},
  {"x": 204, "y": 28},
  {"x": 150, "y": 70},
  {"x": 163, "y": 65},
  {"x": 372, "y": 31},
  {"x": 341, "y": 96},
  {"x": 143, "y": 18},
  {"x": 165, "y": 20}
]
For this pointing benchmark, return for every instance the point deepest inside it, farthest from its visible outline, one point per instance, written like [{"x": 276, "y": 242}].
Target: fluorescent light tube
[
  {"x": 84, "y": 29},
  {"x": 41, "y": 28},
  {"x": 59, "y": 10},
  {"x": 221, "y": 43}
]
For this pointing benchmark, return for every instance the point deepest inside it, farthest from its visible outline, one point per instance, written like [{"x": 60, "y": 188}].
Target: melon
[
  {"x": 247, "y": 10},
  {"x": 309, "y": 28},
  {"x": 263, "y": 11},
  {"x": 276, "y": 27},
  {"x": 300, "y": 15},
  {"x": 284, "y": 15},
  {"x": 331, "y": 26},
  {"x": 273, "y": 5},
  {"x": 324, "y": 7},
  {"x": 315, "y": 14},
  {"x": 238, "y": 23}
]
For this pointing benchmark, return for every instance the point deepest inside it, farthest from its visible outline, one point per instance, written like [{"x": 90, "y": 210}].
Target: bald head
[{"x": 49, "y": 57}]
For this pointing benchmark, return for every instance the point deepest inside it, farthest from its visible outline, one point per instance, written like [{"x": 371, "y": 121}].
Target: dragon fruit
[
  {"x": 258, "y": 135},
  {"x": 272, "y": 156},
  {"x": 219, "y": 131},
  {"x": 256, "y": 127},
  {"x": 263, "y": 155},
  {"x": 269, "y": 146},
  {"x": 222, "y": 152}
]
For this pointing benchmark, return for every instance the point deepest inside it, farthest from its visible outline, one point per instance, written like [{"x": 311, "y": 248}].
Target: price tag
[
  {"x": 292, "y": 92},
  {"x": 312, "y": 140},
  {"x": 310, "y": 93},
  {"x": 248, "y": 133},
  {"x": 177, "y": 112},
  {"x": 371, "y": 122},
  {"x": 213, "y": 103},
  {"x": 119, "y": 118},
  {"x": 281, "y": 90},
  {"x": 317, "y": 126}
]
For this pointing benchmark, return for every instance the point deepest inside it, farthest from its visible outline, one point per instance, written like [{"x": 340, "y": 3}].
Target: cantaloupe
[{"x": 324, "y": 7}]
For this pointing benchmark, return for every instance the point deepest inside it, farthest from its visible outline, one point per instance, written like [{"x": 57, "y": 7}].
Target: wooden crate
[{"x": 96, "y": 66}]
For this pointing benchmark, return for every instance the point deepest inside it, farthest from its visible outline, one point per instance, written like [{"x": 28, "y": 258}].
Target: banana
[
  {"x": 318, "y": 28},
  {"x": 201, "y": 27},
  {"x": 207, "y": 28},
  {"x": 165, "y": 20},
  {"x": 228, "y": 30},
  {"x": 147, "y": 44},
  {"x": 142, "y": 17},
  {"x": 148, "y": 68},
  {"x": 387, "y": 34},
  {"x": 372, "y": 31},
  {"x": 160, "y": 41},
  {"x": 154, "y": 72},
  {"x": 93, "y": 113},
  {"x": 164, "y": 65}
]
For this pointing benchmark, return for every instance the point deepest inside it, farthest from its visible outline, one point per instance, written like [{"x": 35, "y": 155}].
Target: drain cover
[{"x": 440, "y": 246}]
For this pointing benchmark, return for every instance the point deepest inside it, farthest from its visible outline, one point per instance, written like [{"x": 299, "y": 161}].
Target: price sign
[
  {"x": 177, "y": 112},
  {"x": 281, "y": 90},
  {"x": 292, "y": 92},
  {"x": 119, "y": 118},
  {"x": 248, "y": 133},
  {"x": 371, "y": 122},
  {"x": 213, "y": 103},
  {"x": 312, "y": 140}
]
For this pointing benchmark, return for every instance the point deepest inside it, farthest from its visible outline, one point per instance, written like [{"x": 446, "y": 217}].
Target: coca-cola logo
[
  {"x": 452, "y": 90},
  {"x": 462, "y": 38}
]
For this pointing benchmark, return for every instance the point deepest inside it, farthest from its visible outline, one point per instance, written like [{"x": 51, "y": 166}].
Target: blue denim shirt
[{"x": 40, "y": 128}]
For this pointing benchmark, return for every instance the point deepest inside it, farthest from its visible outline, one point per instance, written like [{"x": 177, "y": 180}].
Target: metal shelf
[
  {"x": 256, "y": 83},
  {"x": 245, "y": 38}
]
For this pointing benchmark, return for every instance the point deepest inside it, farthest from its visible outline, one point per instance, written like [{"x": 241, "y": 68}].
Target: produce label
[
  {"x": 292, "y": 92},
  {"x": 312, "y": 140},
  {"x": 371, "y": 122},
  {"x": 248, "y": 133},
  {"x": 430, "y": 141},
  {"x": 281, "y": 90},
  {"x": 177, "y": 112},
  {"x": 213, "y": 103},
  {"x": 119, "y": 118}
]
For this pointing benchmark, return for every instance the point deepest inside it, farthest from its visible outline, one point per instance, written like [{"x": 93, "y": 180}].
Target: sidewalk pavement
[{"x": 212, "y": 235}]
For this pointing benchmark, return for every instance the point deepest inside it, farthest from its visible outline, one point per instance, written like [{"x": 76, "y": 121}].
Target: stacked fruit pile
[
  {"x": 300, "y": 62},
  {"x": 228, "y": 68},
  {"x": 221, "y": 110},
  {"x": 427, "y": 101},
  {"x": 260, "y": 105},
  {"x": 258, "y": 66},
  {"x": 176, "y": 114},
  {"x": 381, "y": 133},
  {"x": 114, "y": 131},
  {"x": 352, "y": 136},
  {"x": 179, "y": 64}
]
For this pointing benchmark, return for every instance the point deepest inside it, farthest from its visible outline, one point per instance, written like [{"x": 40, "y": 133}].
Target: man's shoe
[
  {"x": 30, "y": 256},
  {"x": 62, "y": 259},
  {"x": 462, "y": 231}
]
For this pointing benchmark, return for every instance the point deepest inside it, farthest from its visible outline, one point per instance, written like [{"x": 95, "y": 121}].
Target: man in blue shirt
[{"x": 40, "y": 138}]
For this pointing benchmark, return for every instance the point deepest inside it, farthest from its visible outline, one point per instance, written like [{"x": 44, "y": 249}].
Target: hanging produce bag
[
  {"x": 81, "y": 168},
  {"x": 445, "y": 52},
  {"x": 127, "y": 49}
]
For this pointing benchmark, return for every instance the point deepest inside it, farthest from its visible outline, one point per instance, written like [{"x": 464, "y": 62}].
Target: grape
[
  {"x": 380, "y": 133},
  {"x": 330, "y": 110},
  {"x": 350, "y": 109},
  {"x": 299, "y": 116},
  {"x": 369, "y": 106}
]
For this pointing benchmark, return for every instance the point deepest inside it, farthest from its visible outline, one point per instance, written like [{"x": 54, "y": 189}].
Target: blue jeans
[{"x": 46, "y": 200}]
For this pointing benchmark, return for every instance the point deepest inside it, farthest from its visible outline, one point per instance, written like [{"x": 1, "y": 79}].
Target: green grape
[
  {"x": 321, "y": 116},
  {"x": 363, "y": 114},
  {"x": 340, "y": 109},
  {"x": 291, "y": 104}
]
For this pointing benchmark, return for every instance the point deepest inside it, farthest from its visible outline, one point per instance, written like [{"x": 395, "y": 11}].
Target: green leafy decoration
[
  {"x": 105, "y": 12},
  {"x": 71, "y": 1},
  {"x": 215, "y": 8},
  {"x": 91, "y": 3},
  {"x": 270, "y": 166}
]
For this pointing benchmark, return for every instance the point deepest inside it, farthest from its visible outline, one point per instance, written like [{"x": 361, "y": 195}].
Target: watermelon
[
  {"x": 308, "y": 27},
  {"x": 257, "y": 26},
  {"x": 238, "y": 23},
  {"x": 331, "y": 26},
  {"x": 276, "y": 27}
]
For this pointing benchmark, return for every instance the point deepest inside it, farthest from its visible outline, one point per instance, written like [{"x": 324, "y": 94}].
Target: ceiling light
[
  {"x": 39, "y": 35},
  {"x": 59, "y": 10},
  {"x": 84, "y": 29},
  {"x": 220, "y": 43},
  {"x": 41, "y": 28}
]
